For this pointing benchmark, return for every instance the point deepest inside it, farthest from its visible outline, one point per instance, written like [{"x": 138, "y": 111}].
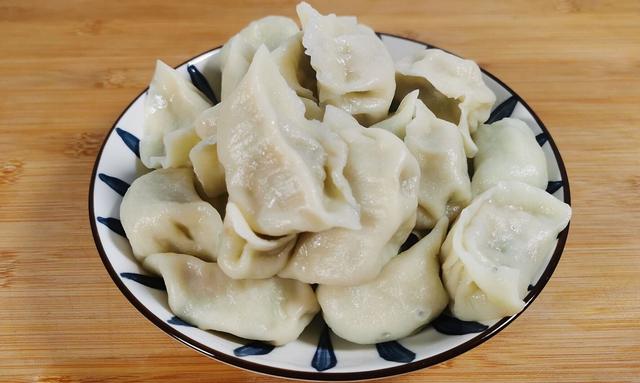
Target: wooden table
[{"x": 68, "y": 68}]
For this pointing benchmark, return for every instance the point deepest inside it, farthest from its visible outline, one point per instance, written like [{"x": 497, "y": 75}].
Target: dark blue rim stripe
[
  {"x": 200, "y": 82},
  {"x": 118, "y": 185},
  {"x": 146, "y": 280},
  {"x": 395, "y": 352},
  {"x": 503, "y": 110},
  {"x": 179, "y": 322},
  {"x": 449, "y": 325},
  {"x": 130, "y": 140},
  {"x": 553, "y": 186},
  {"x": 335, "y": 376},
  {"x": 254, "y": 348},
  {"x": 324, "y": 357},
  {"x": 113, "y": 224}
]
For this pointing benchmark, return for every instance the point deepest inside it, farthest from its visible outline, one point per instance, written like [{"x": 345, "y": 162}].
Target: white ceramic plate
[{"x": 317, "y": 354}]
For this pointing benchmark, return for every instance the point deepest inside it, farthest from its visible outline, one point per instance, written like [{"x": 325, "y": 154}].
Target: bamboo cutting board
[{"x": 68, "y": 68}]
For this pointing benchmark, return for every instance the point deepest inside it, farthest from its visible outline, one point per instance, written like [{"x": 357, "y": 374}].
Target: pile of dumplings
[{"x": 295, "y": 193}]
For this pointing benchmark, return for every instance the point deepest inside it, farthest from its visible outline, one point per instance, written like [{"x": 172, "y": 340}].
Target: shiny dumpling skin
[
  {"x": 238, "y": 52},
  {"x": 283, "y": 171},
  {"x": 497, "y": 247},
  {"x": 507, "y": 151},
  {"x": 383, "y": 176},
  {"x": 245, "y": 255},
  {"x": 444, "y": 181},
  {"x": 207, "y": 167},
  {"x": 171, "y": 106},
  {"x": 295, "y": 67},
  {"x": 451, "y": 87},
  {"x": 274, "y": 310},
  {"x": 354, "y": 70},
  {"x": 397, "y": 123},
  {"x": 162, "y": 212},
  {"x": 406, "y": 295}
]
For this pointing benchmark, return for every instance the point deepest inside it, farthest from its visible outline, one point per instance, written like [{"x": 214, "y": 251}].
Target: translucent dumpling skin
[
  {"x": 497, "y": 247},
  {"x": 407, "y": 295},
  {"x": 274, "y": 310}
]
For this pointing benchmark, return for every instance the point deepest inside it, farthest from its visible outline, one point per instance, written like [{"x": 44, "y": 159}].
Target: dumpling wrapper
[
  {"x": 238, "y": 52},
  {"x": 171, "y": 107},
  {"x": 451, "y": 87},
  {"x": 383, "y": 176},
  {"x": 284, "y": 172},
  {"x": 245, "y": 255},
  {"x": 274, "y": 310},
  {"x": 406, "y": 295},
  {"x": 354, "y": 70},
  {"x": 507, "y": 151},
  {"x": 162, "y": 212},
  {"x": 497, "y": 247}
]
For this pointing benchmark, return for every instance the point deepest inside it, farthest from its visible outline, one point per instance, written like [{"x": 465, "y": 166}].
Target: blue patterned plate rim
[{"x": 339, "y": 376}]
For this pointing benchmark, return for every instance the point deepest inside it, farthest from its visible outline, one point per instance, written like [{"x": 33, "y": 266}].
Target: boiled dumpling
[
  {"x": 397, "y": 123},
  {"x": 384, "y": 177},
  {"x": 451, "y": 87},
  {"x": 284, "y": 172},
  {"x": 353, "y": 67},
  {"x": 405, "y": 296},
  {"x": 444, "y": 182},
  {"x": 295, "y": 67},
  {"x": 171, "y": 107},
  {"x": 245, "y": 255},
  {"x": 507, "y": 151},
  {"x": 238, "y": 52},
  {"x": 206, "y": 165},
  {"x": 497, "y": 247},
  {"x": 162, "y": 212},
  {"x": 274, "y": 310}
]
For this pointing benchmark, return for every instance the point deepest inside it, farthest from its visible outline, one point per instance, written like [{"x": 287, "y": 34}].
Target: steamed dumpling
[
  {"x": 353, "y": 67},
  {"x": 383, "y": 176},
  {"x": 284, "y": 172},
  {"x": 162, "y": 212},
  {"x": 207, "y": 166},
  {"x": 274, "y": 310},
  {"x": 451, "y": 87},
  {"x": 398, "y": 121},
  {"x": 444, "y": 182},
  {"x": 295, "y": 67},
  {"x": 407, "y": 295},
  {"x": 171, "y": 107},
  {"x": 497, "y": 247},
  {"x": 507, "y": 151},
  {"x": 245, "y": 255},
  {"x": 238, "y": 52}
]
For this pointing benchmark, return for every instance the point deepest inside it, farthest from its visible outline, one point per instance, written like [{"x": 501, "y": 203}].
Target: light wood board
[{"x": 68, "y": 68}]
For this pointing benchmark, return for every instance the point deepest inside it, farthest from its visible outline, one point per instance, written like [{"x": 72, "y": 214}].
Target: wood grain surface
[{"x": 68, "y": 68}]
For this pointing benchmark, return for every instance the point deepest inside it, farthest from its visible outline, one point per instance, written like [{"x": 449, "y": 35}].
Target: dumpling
[
  {"x": 171, "y": 107},
  {"x": 354, "y": 70},
  {"x": 274, "y": 310},
  {"x": 406, "y": 295},
  {"x": 444, "y": 181},
  {"x": 206, "y": 165},
  {"x": 283, "y": 171},
  {"x": 384, "y": 177},
  {"x": 238, "y": 52},
  {"x": 295, "y": 67},
  {"x": 162, "y": 212},
  {"x": 497, "y": 247},
  {"x": 245, "y": 255},
  {"x": 397, "y": 123},
  {"x": 451, "y": 87},
  {"x": 507, "y": 151}
]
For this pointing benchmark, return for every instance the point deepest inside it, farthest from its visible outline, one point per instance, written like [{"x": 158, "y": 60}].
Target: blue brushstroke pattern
[
  {"x": 453, "y": 326},
  {"x": 553, "y": 186},
  {"x": 130, "y": 140},
  {"x": 324, "y": 358},
  {"x": 395, "y": 352},
  {"x": 200, "y": 82},
  {"x": 118, "y": 185},
  {"x": 542, "y": 138},
  {"x": 503, "y": 110},
  {"x": 147, "y": 280},
  {"x": 113, "y": 224},
  {"x": 179, "y": 322},
  {"x": 254, "y": 348},
  {"x": 530, "y": 287}
]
